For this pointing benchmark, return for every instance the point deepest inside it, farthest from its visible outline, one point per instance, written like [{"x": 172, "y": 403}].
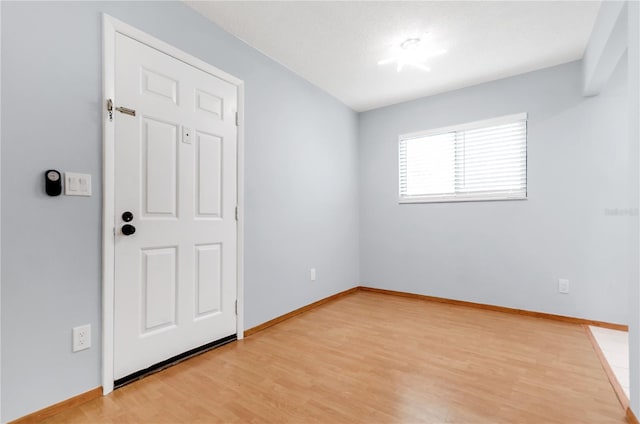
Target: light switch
[{"x": 77, "y": 184}]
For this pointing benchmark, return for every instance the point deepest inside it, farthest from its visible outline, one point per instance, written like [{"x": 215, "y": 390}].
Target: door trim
[{"x": 111, "y": 26}]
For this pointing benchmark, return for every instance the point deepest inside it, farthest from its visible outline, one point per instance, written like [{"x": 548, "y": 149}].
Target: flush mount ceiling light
[{"x": 413, "y": 51}]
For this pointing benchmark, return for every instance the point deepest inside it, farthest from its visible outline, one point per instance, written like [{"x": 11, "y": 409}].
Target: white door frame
[
  {"x": 111, "y": 26},
  {"x": 0, "y": 219}
]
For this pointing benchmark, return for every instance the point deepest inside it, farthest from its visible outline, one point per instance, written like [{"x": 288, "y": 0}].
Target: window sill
[{"x": 458, "y": 199}]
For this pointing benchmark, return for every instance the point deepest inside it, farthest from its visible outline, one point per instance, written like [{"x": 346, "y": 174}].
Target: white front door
[{"x": 175, "y": 173}]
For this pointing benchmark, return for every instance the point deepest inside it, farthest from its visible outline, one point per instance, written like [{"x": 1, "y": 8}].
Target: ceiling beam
[{"x": 606, "y": 46}]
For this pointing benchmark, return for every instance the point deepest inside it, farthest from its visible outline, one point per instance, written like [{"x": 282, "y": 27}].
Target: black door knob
[
  {"x": 128, "y": 229},
  {"x": 127, "y": 216}
]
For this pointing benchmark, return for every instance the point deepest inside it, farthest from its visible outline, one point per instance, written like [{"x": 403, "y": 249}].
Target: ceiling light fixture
[{"x": 413, "y": 51}]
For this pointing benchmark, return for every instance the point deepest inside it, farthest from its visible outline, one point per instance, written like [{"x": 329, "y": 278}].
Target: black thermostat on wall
[{"x": 53, "y": 182}]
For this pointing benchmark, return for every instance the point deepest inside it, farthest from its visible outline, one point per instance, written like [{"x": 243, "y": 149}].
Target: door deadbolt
[{"x": 127, "y": 216}]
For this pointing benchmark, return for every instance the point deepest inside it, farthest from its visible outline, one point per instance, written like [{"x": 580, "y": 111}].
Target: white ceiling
[{"x": 336, "y": 45}]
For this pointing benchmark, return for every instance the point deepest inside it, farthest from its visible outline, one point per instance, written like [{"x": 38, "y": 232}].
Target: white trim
[
  {"x": 240, "y": 226},
  {"x": 448, "y": 199},
  {"x": 111, "y": 26},
  {"x": 466, "y": 126},
  {"x": 108, "y": 223},
  {"x": 0, "y": 217}
]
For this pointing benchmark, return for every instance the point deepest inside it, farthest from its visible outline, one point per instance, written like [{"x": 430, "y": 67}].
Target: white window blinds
[{"x": 479, "y": 161}]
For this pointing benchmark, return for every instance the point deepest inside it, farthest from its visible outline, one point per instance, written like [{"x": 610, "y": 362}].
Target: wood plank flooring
[{"x": 375, "y": 358}]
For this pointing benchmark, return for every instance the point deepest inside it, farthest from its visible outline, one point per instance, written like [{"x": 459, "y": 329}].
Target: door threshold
[{"x": 172, "y": 361}]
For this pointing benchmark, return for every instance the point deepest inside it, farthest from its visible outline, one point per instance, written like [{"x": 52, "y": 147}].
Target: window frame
[{"x": 501, "y": 120}]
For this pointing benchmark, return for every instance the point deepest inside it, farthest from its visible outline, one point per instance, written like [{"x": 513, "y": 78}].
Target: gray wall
[
  {"x": 510, "y": 253},
  {"x": 301, "y": 186}
]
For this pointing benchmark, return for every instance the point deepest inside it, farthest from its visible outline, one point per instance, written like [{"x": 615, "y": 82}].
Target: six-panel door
[{"x": 175, "y": 171}]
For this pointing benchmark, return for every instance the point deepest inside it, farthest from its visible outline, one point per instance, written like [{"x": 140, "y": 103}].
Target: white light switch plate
[
  {"x": 77, "y": 184},
  {"x": 563, "y": 285}
]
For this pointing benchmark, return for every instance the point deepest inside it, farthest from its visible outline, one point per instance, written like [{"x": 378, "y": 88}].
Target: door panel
[
  {"x": 175, "y": 170},
  {"x": 210, "y": 103},
  {"x": 209, "y": 175},
  {"x": 209, "y": 279},
  {"x": 154, "y": 83},
  {"x": 159, "y": 167},
  {"x": 158, "y": 288}
]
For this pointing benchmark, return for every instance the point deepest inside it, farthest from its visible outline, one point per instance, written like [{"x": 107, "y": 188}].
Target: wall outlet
[
  {"x": 81, "y": 337},
  {"x": 312, "y": 274},
  {"x": 563, "y": 285}
]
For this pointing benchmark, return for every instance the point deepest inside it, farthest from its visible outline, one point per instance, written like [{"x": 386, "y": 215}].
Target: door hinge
[
  {"x": 237, "y": 120},
  {"x": 236, "y": 307},
  {"x": 236, "y": 213},
  {"x": 110, "y": 109}
]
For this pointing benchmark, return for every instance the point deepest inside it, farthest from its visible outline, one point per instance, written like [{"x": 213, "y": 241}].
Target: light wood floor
[{"x": 375, "y": 358}]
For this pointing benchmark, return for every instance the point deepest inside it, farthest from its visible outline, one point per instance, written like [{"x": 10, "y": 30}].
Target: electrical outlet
[
  {"x": 81, "y": 337},
  {"x": 563, "y": 285},
  {"x": 312, "y": 274}
]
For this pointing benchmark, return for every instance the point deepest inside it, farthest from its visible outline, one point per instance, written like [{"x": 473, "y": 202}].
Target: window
[{"x": 484, "y": 160}]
